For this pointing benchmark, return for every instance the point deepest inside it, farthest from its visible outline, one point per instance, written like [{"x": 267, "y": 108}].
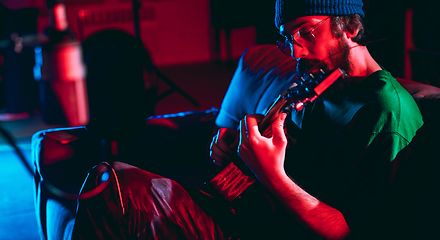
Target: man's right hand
[{"x": 224, "y": 146}]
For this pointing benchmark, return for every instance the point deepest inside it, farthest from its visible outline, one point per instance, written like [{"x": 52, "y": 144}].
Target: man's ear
[{"x": 351, "y": 34}]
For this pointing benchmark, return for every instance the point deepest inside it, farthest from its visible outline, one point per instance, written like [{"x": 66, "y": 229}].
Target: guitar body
[{"x": 236, "y": 185}]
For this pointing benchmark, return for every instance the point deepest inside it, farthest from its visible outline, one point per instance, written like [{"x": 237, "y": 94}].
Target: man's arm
[
  {"x": 321, "y": 218},
  {"x": 265, "y": 156}
]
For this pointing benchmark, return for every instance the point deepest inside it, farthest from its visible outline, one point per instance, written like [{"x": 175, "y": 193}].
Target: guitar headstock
[
  {"x": 304, "y": 90},
  {"x": 308, "y": 87}
]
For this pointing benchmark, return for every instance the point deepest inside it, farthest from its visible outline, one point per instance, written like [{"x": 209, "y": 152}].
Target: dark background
[{"x": 384, "y": 20}]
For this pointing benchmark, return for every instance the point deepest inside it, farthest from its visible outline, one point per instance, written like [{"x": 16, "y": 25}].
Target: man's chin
[{"x": 310, "y": 65}]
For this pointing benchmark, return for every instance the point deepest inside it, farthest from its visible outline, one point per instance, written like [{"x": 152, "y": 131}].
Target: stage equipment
[
  {"x": 60, "y": 71},
  {"x": 173, "y": 87}
]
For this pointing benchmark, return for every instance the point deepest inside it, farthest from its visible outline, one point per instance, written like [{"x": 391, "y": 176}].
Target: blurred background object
[
  {"x": 229, "y": 17},
  {"x": 19, "y": 94},
  {"x": 421, "y": 42},
  {"x": 60, "y": 72}
]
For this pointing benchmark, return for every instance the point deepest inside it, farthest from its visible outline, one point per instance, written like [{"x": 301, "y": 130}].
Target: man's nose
[{"x": 298, "y": 51}]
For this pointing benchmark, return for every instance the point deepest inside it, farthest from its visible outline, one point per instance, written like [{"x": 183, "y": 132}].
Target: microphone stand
[{"x": 173, "y": 87}]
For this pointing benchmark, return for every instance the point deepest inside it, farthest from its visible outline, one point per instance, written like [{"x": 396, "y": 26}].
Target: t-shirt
[{"x": 346, "y": 147}]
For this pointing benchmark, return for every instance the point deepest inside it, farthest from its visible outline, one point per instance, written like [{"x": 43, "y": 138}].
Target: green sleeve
[{"x": 365, "y": 201}]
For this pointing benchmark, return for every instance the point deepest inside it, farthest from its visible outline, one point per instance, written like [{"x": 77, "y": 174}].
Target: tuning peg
[{"x": 299, "y": 106}]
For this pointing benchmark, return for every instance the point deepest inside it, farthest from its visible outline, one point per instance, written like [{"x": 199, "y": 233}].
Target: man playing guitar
[{"x": 333, "y": 182}]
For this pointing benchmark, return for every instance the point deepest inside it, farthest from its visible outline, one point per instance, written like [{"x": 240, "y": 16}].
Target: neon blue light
[
  {"x": 38, "y": 62},
  {"x": 104, "y": 177},
  {"x": 37, "y": 73}
]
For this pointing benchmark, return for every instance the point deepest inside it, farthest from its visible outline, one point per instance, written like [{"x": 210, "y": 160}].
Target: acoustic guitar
[{"x": 236, "y": 185}]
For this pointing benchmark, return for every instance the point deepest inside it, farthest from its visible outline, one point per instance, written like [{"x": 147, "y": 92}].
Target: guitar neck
[{"x": 280, "y": 105}]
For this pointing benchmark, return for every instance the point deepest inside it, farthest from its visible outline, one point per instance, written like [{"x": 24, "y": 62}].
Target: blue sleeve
[{"x": 261, "y": 75}]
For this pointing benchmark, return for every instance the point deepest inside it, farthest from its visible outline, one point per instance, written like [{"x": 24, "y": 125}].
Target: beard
[{"x": 338, "y": 58}]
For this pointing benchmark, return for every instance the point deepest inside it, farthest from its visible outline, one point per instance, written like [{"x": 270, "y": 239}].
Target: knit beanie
[{"x": 287, "y": 10}]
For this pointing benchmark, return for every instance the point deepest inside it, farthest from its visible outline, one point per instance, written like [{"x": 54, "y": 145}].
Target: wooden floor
[{"x": 207, "y": 83}]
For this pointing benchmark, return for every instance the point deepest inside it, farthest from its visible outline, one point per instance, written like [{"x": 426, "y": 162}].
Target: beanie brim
[{"x": 288, "y": 10}]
